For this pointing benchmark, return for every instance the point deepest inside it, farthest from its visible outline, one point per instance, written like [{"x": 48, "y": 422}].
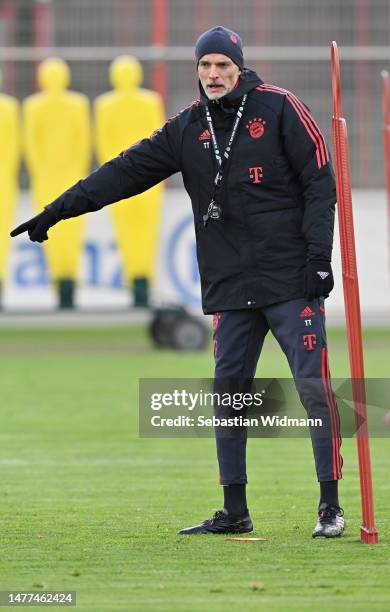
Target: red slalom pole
[
  {"x": 386, "y": 140},
  {"x": 159, "y": 39},
  {"x": 368, "y": 533}
]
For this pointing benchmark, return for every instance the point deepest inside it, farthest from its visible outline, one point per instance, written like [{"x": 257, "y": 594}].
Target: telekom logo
[
  {"x": 256, "y": 174},
  {"x": 310, "y": 340}
]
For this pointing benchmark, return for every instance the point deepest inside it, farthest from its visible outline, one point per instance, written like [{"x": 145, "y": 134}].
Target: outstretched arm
[{"x": 135, "y": 170}]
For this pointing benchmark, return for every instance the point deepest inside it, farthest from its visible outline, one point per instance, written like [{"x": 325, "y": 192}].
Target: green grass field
[{"x": 86, "y": 505}]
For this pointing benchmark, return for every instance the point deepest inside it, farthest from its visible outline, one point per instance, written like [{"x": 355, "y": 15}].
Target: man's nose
[{"x": 213, "y": 73}]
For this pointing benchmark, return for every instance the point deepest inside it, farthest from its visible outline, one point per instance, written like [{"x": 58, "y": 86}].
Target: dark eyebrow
[{"x": 222, "y": 63}]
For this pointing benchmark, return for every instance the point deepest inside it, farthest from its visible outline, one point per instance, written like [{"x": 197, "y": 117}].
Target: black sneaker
[
  {"x": 330, "y": 523},
  {"x": 222, "y": 522}
]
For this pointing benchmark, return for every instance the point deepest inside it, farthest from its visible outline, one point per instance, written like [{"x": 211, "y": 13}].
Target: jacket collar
[{"x": 247, "y": 81}]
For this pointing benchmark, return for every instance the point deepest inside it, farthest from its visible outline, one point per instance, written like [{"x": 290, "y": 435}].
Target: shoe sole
[
  {"x": 234, "y": 532},
  {"x": 327, "y": 537}
]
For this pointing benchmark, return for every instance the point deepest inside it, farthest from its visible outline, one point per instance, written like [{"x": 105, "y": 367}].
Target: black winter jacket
[{"x": 277, "y": 195}]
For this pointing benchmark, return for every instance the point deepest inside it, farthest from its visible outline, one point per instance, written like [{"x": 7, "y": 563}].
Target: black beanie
[{"x": 220, "y": 40}]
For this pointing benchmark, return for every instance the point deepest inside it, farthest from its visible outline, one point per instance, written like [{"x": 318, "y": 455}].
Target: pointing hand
[{"x": 37, "y": 227}]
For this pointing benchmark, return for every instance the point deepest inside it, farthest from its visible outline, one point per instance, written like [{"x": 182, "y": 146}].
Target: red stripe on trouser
[
  {"x": 337, "y": 418},
  {"x": 323, "y": 373},
  {"x": 334, "y": 417},
  {"x": 216, "y": 318},
  {"x": 307, "y": 120}
]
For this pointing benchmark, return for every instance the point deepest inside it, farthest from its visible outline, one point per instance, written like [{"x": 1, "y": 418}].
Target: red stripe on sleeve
[{"x": 307, "y": 120}]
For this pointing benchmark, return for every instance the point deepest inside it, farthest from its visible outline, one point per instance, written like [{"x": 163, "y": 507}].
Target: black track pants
[{"x": 299, "y": 327}]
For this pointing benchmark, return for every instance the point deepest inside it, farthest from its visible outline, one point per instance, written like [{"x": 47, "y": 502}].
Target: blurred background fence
[{"x": 286, "y": 41}]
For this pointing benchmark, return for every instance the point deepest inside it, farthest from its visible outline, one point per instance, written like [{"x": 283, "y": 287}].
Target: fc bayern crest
[
  {"x": 234, "y": 38},
  {"x": 256, "y": 127}
]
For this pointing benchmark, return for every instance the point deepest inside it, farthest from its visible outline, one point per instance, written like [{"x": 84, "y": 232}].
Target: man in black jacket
[{"x": 259, "y": 176}]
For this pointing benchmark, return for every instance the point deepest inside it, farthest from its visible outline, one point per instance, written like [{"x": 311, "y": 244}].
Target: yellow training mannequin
[
  {"x": 9, "y": 167},
  {"x": 122, "y": 117},
  {"x": 58, "y": 153}
]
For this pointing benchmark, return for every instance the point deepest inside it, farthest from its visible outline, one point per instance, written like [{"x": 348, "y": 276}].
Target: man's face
[{"x": 218, "y": 74}]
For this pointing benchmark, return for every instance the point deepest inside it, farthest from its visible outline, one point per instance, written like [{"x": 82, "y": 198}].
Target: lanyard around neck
[
  {"x": 215, "y": 210},
  {"x": 214, "y": 140}
]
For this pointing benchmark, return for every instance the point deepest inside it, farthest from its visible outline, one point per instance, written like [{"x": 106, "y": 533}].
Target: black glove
[
  {"x": 318, "y": 279},
  {"x": 36, "y": 227}
]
